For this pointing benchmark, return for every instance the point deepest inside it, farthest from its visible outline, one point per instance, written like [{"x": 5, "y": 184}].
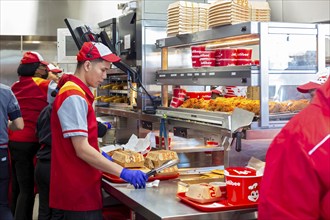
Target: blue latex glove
[
  {"x": 106, "y": 156},
  {"x": 135, "y": 177}
]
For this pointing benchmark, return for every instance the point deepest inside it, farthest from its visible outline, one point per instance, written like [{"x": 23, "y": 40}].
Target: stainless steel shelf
[
  {"x": 227, "y": 75},
  {"x": 242, "y": 30}
]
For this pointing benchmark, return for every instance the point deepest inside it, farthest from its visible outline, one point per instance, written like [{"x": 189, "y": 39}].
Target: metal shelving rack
[
  {"x": 260, "y": 34},
  {"x": 249, "y": 33}
]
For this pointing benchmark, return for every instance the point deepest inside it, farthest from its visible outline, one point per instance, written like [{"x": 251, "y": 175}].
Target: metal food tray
[
  {"x": 226, "y": 120},
  {"x": 281, "y": 116},
  {"x": 221, "y": 119}
]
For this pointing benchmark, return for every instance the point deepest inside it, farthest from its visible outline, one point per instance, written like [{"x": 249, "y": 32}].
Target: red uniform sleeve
[{"x": 290, "y": 188}]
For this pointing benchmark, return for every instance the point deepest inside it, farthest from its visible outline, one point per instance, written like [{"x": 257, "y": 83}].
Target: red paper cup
[
  {"x": 195, "y": 62},
  {"x": 207, "y": 54},
  {"x": 243, "y": 62},
  {"x": 226, "y": 53},
  {"x": 197, "y": 49},
  {"x": 177, "y": 92},
  {"x": 176, "y": 102},
  {"x": 242, "y": 185},
  {"x": 226, "y": 62},
  {"x": 244, "y": 53},
  {"x": 256, "y": 62},
  {"x": 199, "y": 95},
  {"x": 163, "y": 141},
  {"x": 207, "y": 62}
]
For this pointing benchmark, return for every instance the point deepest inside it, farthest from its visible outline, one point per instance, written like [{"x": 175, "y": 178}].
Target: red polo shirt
[
  {"x": 75, "y": 185},
  {"x": 33, "y": 94}
]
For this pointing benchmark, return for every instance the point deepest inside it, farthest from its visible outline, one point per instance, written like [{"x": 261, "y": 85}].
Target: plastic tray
[
  {"x": 221, "y": 205},
  {"x": 116, "y": 179}
]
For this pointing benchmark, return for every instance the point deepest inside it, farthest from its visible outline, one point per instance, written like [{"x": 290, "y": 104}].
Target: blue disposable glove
[
  {"x": 106, "y": 156},
  {"x": 135, "y": 177}
]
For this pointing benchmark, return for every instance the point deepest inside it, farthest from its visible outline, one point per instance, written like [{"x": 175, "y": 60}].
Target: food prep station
[
  {"x": 161, "y": 63},
  {"x": 257, "y": 130},
  {"x": 162, "y": 203}
]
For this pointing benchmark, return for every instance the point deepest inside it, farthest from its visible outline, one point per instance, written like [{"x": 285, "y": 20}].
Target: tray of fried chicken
[{"x": 223, "y": 104}]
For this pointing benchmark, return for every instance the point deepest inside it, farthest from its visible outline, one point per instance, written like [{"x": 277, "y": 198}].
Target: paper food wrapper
[
  {"x": 257, "y": 164},
  {"x": 140, "y": 145}
]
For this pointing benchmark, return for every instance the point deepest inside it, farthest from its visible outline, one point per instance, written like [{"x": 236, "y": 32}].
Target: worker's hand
[
  {"x": 107, "y": 156},
  {"x": 135, "y": 177}
]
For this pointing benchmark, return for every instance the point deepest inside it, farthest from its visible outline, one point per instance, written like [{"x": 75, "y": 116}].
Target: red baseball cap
[
  {"x": 54, "y": 69},
  {"x": 95, "y": 50},
  {"x": 33, "y": 57},
  {"x": 305, "y": 88}
]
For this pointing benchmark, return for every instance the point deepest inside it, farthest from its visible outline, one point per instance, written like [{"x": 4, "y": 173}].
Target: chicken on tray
[{"x": 228, "y": 104}]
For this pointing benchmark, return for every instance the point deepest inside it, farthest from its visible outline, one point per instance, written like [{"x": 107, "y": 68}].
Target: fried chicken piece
[
  {"x": 298, "y": 105},
  {"x": 189, "y": 103}
]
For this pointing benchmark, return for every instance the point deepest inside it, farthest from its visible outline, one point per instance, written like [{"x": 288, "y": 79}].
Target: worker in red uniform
[
  {"x": 54, "y": 72},
  {"x": 311, "y": 86},
  {"x": 33, "y": 93},
  {"x": 296, "y": 182},
  {"x": 76, "y": 161}
]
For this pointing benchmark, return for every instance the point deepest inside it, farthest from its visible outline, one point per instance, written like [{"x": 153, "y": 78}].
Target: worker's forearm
[{"x": 95, "y": 159}]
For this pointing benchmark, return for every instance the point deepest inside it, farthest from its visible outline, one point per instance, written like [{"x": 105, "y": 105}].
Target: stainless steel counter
[{"x": 161, "y": 203}]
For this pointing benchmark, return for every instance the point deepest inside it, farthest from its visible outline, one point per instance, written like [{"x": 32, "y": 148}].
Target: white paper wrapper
[
  {"x": 257, "y": 164},
  {"x": 141, "y": 145},
  {"x": 154, "y": 183}
]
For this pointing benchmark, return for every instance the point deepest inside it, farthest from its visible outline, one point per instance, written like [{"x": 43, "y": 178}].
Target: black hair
[
  {"x": 80, "y": 63},
  {"x": 28, "y": 69}
]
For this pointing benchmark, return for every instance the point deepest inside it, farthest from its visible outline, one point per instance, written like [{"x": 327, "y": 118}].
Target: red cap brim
[
  {"x": 308, "y": 86},
  {"x": 55, "y": 71},
  {"x": 111, "y": 58}
]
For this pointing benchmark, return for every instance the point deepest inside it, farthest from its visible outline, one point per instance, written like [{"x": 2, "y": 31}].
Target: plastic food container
[
  {"x": 226, "y": 53},
  {"x": 244, "y": 53},
  {"x": 243, "y": 185}
]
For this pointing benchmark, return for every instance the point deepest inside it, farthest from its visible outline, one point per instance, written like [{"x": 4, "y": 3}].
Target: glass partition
[{"x": 292, "y": 52}]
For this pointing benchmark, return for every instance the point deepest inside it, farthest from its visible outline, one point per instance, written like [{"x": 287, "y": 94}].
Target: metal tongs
[{"x": 167, "y": 164}]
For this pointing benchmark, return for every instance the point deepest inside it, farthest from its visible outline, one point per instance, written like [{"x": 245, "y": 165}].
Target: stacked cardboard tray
[
  {"x": 186, "y": 17},
  {"x": 259, "y": 11},
  {"x": 228, "y": 12}
]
